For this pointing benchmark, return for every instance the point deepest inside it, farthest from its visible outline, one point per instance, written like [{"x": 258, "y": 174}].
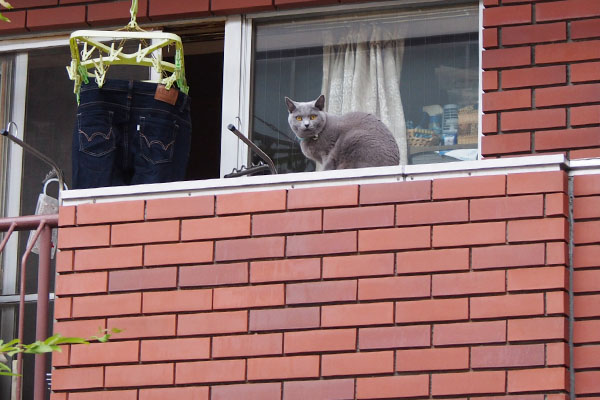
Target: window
[{"x": 416, "y": 69}]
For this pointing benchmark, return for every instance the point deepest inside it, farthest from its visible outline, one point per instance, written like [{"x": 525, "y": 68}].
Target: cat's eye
[
  {"x": 313, "y": 117},
  {"x": 298, "y": 118}
]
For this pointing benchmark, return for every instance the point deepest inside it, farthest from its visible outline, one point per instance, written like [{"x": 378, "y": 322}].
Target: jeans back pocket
[
  {"x": 96, "y": 136},
  {"x": 157, "y": 139}
]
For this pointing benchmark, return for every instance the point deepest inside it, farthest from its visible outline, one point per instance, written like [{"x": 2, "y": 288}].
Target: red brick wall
[
  {"x": 541, "y": 71},
  {"x": 449, "y": 288}
]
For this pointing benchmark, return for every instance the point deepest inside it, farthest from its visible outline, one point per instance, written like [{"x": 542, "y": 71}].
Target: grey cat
[{"x": 352, "y": 140}]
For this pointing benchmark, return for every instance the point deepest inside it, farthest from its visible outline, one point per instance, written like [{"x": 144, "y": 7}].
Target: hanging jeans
[{"x": 130, "y": 132}]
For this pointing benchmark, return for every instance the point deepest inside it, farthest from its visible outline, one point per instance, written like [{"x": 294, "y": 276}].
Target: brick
[
  {"x": 557, "y": 303},
  {"x": 175, "y": 349},
  {"x": 108, "y": 258},
  {"x": 468, "y": 283},
  {"x": 145, "y": 232},
  {"x": 319, "y": 390},
  {"x": 77, "y": 378},
  {"x": 248, "y": 296},
  {"x": 539, "y": 33},
  {"x": 585, "y": 72},
  {"x": 586, "y": 281},
  {"x": 435, "y": 212},
  {"x": 507, "y": 15},
  {"x": 587, "y": 356},
  {"x": 586, "y": 185},
  {"x": 437, "y": 359},
  {"x": 394, "y": 239},
  {"x": 360, "y": 217},
  {"x": 160, "y": 9},
  {"x": 574, "y": 94},
  {"x": 398, "y": 287},
  {"x": 244, "y": 249},
  {"x": 490, "y": 40},
  {"x": 66, "y": 214},
  {"x": 469, "y": 333},
  {"x": 105, "y": 14},
  {"x": 507, "y": 100},
  {"x": 506, "y": 144},
  {"x": 537, "y": 182},
  {"x": 320, "y": 340},
  {"x": 432, "y": 310},
  {"x": 587, "y": 382},
  {"x": 503, "y": 58},
  {"x": 533, "y": 119},
  {"x": 583, "y": 257},
  {"x": 489, "y": 123},
  {"x": 212, "y": 323},
  {"x": 538, "y": 278},
  {"x": 180, "y": 393},
  {"x": 469, "y": 234},
  {"x": 535, "y": 76},
  {"x": 81, "y": 328},
  {"x": 105, "y": 395},
  {"x": 213, "y": 275},
  {"x": 82, "y": 283},
  {"x": 321, "y": 243},
  {"x": 357, "y": 314},
  {"x": 249, "y": 202},
  {"x": 215, "y": 228},
  {"x": 394, "y": 337},
  {"x": 587, "y": 306},
  {"x": 285, "y": 270},
  {"x": 107, "y": 305},
  {"x": 586, "y": 207},
  {"x": 64, "y": 261},
  {"x": 538, "y": 379},
  {"x": 587, "y": 232},
  {"x": 515, "y": 305},
  {"x": 254, "y": 391},
  {"x": 506, "y": 207},
  {"x": 398, "y": 192},
  {"x": 507, "y": 356},
  {"x": 86, "y": 236},
  {"x": 514, "y": 255},
  {"x": 176, "y": 301},
  {"x": 364, "y": 363},
  {"x": 145, "y": 326},
  {"x": 545, "y": 328},
  {"x": 584, "y": 29},
  {"x": 210, "y": 371},
  {"x": 557, "y": 204},
  {"x": 489, "y": 78},
  {"x": 241, "y": 6},
  {"x": 178, "y": 253},
  {"x": 180, "y": 207},
  {"x": 288, "y": 222},
  {"x": 55, "y": 18},
  {"x": 557, "y": 354},
  {"x": 247, "y": 345},
  {"x": 409, "y": 262},
  {"x": 585, "y": 115},
  {"x": 567, "y": 52},
  {"x": 468, "y": 383},
  {"x": 569, "y": 9},
  {"x": 105, "y": 353},
  {"x": 321, "y": 292},
  {"x": 283, "y": 367},
  {"x": 102, "y": 213},
  {"x": 537, "y": 229},
  {"x": 284, "y": 318},
  {"x": 587, "y": 331},
  {"x": 142, "y": 279},
  {"x": 321, "y": 197},
  {"x": 584, "y": 153},
  {"x": 474, "y": 186},
  {"x": 62, "y": 307},
  {"x": 357, "y": 266},
  {"x": 392, "y": 387}
]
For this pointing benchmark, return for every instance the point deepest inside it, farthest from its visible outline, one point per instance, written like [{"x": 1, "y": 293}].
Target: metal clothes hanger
[{"x": 94, "y": 58}]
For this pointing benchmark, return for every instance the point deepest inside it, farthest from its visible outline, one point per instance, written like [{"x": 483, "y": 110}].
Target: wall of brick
[{"x": 448, "y": 288}]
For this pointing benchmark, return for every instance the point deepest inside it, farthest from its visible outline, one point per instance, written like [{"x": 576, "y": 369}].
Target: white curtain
[{"x": 361, "y": 72}]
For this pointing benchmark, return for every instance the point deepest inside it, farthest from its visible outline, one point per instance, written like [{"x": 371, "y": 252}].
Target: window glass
[{"x": 416, "y": 69}]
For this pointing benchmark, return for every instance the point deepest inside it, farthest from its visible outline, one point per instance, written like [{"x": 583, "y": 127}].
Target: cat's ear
[
  {"x": 291, "y": 106},
  {"x": 320, "y": 102}
]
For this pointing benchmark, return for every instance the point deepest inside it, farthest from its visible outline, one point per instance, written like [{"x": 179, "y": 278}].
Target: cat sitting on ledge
[{"x": 352, "y": 140}]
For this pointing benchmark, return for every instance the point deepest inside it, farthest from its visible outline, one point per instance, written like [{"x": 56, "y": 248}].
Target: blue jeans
[{"x": 125, "y": 136}]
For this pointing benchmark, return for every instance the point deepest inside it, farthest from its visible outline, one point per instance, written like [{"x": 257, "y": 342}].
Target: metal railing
[{"x": 42, "y": 224}]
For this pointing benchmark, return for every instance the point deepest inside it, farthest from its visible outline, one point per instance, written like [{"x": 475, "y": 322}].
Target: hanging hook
[{"x": 133, "y": 11}]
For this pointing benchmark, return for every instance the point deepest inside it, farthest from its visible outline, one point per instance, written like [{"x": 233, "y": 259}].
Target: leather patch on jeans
[{"x": 167, "y": 96}]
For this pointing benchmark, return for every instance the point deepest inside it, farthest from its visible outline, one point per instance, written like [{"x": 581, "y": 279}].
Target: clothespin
[{"x": 85, "y": 54}]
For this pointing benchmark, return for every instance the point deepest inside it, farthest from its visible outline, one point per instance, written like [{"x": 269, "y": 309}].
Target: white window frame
[{"x": 237, "y": 73}]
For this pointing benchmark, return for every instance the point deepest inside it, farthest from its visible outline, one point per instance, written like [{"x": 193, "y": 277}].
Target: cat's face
[{"x": 306, "y": 119}]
